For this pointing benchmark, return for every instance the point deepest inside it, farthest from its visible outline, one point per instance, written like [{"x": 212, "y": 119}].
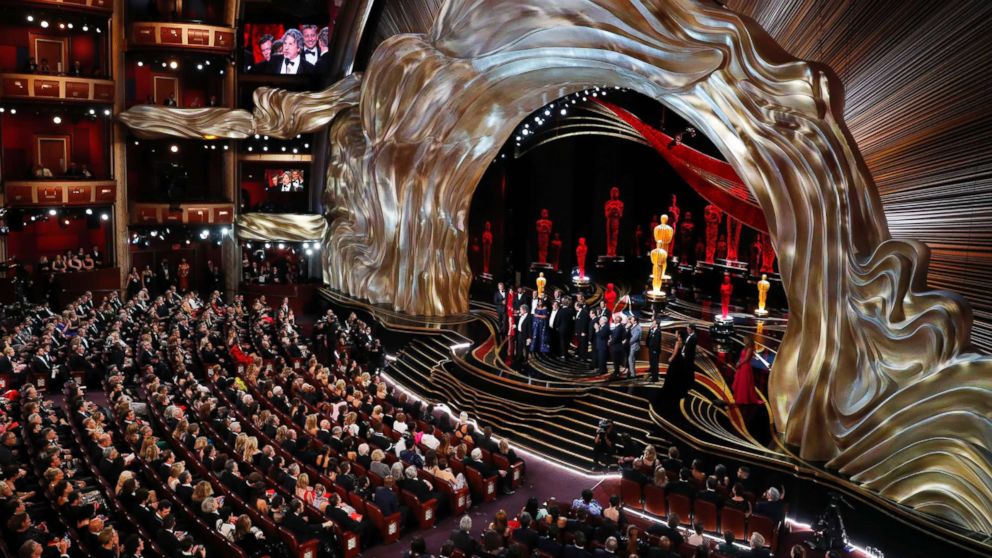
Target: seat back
[
  {"x": 389, "y": 527},
  {"x": 357, "y": 502},
  {"x": 732, "y": 519},
  {"x": 630, "y": 493},
  {"x": 654, "y": 500},
  {"x": 705, "y": 512},
  {"x": 483, "y": 489},
  {"x": 680, "y": 504},
  {"x": 426, "y": 512},
  {"x": 764, "y": 525}
]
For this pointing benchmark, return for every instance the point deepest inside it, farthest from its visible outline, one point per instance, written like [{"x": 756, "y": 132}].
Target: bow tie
[{"x": 311, "y": 51}]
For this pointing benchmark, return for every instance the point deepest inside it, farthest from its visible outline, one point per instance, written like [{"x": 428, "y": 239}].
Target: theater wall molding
[{"x": 875, "y": 375}]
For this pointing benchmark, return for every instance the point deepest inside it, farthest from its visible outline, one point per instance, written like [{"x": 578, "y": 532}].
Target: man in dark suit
[
  {"x": 474, "y": 460},
  {"x": 654, "y": 350},
  {"x": 618, "y": 345},
  {"x": 462, "y": 537},
  {"x": 601, "y": 342},
  {"x": 418, "y": 487},
  {"x": 772, "y": 506},
  {"x": 689, "y": 348},
  {"x": 609, "y": 550},
  {"x": 291, "y": 61},
  {"x": 554, "y": 324},
  {"x": 525, "y": 535},
  {"x": 577, "y": 549},
  {"x": 682, "y": 485},
  {"x": 386, "y": 500},
  {"x": 523, "y": 333},
  {"x": 166, "y": 537},
  {"x": 566, "y": 328},
  {"x": 583, "y": 326},
  {"x": 299, "y": 526},
  {"x": 709, "y": 494},
  {"x": 232, "y": 479},
  {"x": 499, "y": 300}
]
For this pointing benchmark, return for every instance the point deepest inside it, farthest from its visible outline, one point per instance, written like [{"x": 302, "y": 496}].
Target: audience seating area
[{"x": 221, "y": 429}]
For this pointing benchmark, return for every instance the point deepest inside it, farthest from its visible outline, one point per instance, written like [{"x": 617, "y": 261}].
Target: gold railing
[
  {"x": 182, "y": 214},
  {"x": 183, "y": 35},
  {"x": 45, "y": 87},
  {"x": 26, "y": 193}
]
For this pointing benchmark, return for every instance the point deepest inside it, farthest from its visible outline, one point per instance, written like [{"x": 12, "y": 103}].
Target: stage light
[
  {"x": 89, "y": 211},
  {"x": 256, "y": 136},
  {"x": 564, "y": 112},
  {"x": 309, "y": 252},
  {"x": 104, "y": 217},
  {"x": 265, "y": 148},
  {"x": 295, "y": 150},
  {"x": 56, "y": 119},
  {"x": 66, "y": 221},
  {"x": 225, "y": 148},
  {"x": 167, "y": 230},
  {"x": 154, "y": 233},
  {"x": 214, "y": 147},
  {"x": 222, "y": 72},
  {"x": 98, "y": 30},
  {"x": 69, "y": 25},
  {"x": 135, "y": 142},
  {"x": 173, "y": 64},
  {"x": 282, "y": 246},
  {"x": 30, "y": 18},
  {"x": 284, "y": 149},
  {"x": 248, "y": 245},
  {"x": 164, "y": 65},
  {"x": 61, "y": 26},
  {"x": 207, "y": 62},
  {"x": 44, "y": 24},
  {"x": 298, "y": 136},
  {"x": 199, "y": 66},
  {"x": 187, "y": 241},
  {"x": 86, "y": 27},
  {"x": 53, "y": 212},
  {"x": 2, "y": 110},
  {"x": 225, "y": 230},
  {"x": 547, "y": 113},
  {"x": 267, "y": 246},
  {"x": 174, "y": 148},
  {"x": 306, "y": 146},
  {"x": 13, "y": 111},
  {"x": 249, "y": 148},
  {"x": 92, "y": 111},
  {"x": 204, "y": 234}
]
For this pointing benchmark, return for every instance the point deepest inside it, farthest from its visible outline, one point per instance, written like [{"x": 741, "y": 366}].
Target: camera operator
[{"x": 605, "y": 444}]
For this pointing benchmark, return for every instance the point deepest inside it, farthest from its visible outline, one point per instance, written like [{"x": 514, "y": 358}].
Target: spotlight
[
  {"x": 61, "y": 26},
  {"x": 44, "y": 24},
  {"x": 2, "y": 110},
  {"x": 204, "y": 234},
  {"x": 164, "y": 65},
  {"x": 248, "y": 244},
  {"x": 207, "y": 62},
  {"x": 104, "y": 217},
  {"x": 53, "y": 212},
  {"x": 92, "y": 111},
  {"x": 564, "y": 112},
  {"x": 69, "y": 25},
  {"x": 199, "y": 66},
  {"x": 86, "y": 27},
  {"x": 309, "y": 252},
  {"x": 547, "y": 113},
  {"x": 98, "y": 30},
  {"x": 222, "y": 72},
  {"x": 282, "y": 246},
  {"x": 295, "y": 150},
  {"x": 13, "y": 111},
  {"x": 66, "y": 221},
  {"x": 257, "y": 136},
  {"x": 225, "y": 148},
  {"x": 56, "y": 119},
  {"x": 306, "y": 146},
  {"x": 267, "y": 246},
  {"x": 135, "y": 142},
  {"x": 140, "y": 63},
  {"x": 265, "y": 148},
  {"x": 187, "y": 241},
  {"x": 30, "y": 18},
  {"x": 174, "y": 148},
  {"x": 153, "y": 233},
  {"x": 266, "y": 138},
  {"x": 173, "y": 65},
  {"x": 284, "y": 149},
  {"x": 249, "y": 148},
  {"x": 89, "y": 211}
]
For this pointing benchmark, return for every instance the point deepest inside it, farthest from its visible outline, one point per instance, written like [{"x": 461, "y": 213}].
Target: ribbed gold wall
[{"x": 915, "y": 73}]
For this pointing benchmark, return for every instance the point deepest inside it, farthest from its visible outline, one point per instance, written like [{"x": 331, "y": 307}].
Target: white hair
[
  {"x": 465, "y": 523},
  {"x": 477, "y": 454}
]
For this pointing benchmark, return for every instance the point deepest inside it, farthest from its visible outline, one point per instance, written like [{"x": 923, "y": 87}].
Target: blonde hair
[{"x": 251, "y": 447}]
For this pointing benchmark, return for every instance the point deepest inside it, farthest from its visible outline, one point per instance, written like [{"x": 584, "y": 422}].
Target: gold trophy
[
  {"x": 541, "y": 282},
  {"x": 663, "y": 234},
  {"x": 763, "y": 286},
  {"x": 659, "y": 260}
]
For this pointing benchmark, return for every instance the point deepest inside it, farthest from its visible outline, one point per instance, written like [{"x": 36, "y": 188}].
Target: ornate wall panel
[
  {"x": 873, "y": 375},
  {"x": 916, "y": 101}
]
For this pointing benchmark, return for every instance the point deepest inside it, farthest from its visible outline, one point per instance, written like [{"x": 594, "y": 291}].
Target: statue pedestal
[
  {"x": 486, "y": 277},
  {"x": 582, "y": 284},
  {"x": 723, "y": 326},
  {"x": 760, "y": 313},
  {"x": 658, "y": 300},
  {"x": 606, "y": 261},
  {"x": 732, "y": 264}
]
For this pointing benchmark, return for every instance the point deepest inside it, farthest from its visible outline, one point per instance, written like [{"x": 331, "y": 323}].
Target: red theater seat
[{"x": 630, "y": 493}]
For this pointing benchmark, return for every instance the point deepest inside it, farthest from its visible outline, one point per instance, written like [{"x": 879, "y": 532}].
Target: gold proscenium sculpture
[{"x": 873, "y": 375}]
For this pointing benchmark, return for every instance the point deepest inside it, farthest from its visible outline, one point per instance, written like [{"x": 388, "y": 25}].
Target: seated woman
[
  {"x": 737, "y": 500},
  {"x": 88, "y": 263}
]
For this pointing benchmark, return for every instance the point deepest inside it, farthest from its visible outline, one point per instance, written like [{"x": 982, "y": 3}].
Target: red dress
[{"x": 743, "y": 388}]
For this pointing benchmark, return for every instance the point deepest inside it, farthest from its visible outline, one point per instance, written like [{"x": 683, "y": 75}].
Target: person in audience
[
  {"x": 614, "y": 512},
  {"x": 758, "y": 550},
  {"x": 578, "y": 547},
  {"x": 797, "y": 551},
  {"x": 666, "y": 548},
  {"x": 772, "y": 506},
  {"x": 669, "y": 530},
  {"x": 475, "y": 461},
  {"x": 609, "y": 549},
  {"x": 696, "y": 538},
  {"x": 587, "y": 503},
  {"x": 462, "y": 537},
  {"x": 727, "y": 547},
  {"x": 525, "y": 534},
  {"x": 418, "y": 549}
]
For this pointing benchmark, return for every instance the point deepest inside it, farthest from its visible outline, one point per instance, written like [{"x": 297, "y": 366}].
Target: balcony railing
[
  {"x": 46, "y": 193},
  {"x": 183, "y": 214},
  {"x": 104, "y": 6},
  {"x": 46, "y": 87},
  {"x": 194, "y": 36}
]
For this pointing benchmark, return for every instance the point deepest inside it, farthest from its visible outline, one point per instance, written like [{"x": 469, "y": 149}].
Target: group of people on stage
[
  {"x": 166, "y": 276},
  {"x": 560, "y": 326}
]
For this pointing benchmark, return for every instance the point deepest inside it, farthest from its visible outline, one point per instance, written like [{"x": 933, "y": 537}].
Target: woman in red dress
[{"x": 745, "y": 394}]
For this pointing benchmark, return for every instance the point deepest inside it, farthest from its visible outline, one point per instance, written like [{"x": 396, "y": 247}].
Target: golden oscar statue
[
  {"x": 659, "y": 260},
  {"x": 763, "y": 286},
  {"x": 663, "y": 233},
  {"x": 541, "y": 282}
]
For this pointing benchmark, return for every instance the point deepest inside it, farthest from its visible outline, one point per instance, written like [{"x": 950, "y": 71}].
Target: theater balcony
[
  {"x": 47, "y": 193},
  {"x": 47, "y": 88},
  {"x": 180, "y": 172},
  {"x": 57, "y": 154},
  {"x": 182, "y": 214},
  {"x": 92, "y": 6},
  {"x": 178, "y": 79},
  {"x": 178, "y": 36}
]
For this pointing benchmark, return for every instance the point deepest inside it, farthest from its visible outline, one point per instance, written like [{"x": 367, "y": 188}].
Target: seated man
[
  {"x": 577, "y": 549},
  {"x": 587, "y": 503},
  {"x": 386, "y": 500},
  {"x": 421, "y": 488},
  {"x": 462, "y": 537},
  {"x": 772, "y": 506},
  {"x": 474, "y": 460}
]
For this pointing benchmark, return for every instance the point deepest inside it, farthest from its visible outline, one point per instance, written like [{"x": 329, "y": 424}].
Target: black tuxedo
[
  {"x": 274, "y": 65},
  {"x": 524, "y": 328},
  {"x": 300, "y": 527},
  {"x": 565, "y": 327},
  {"x": 618, "y": 349},
  {"x": 499, "y": 299},
  {"x": 464, "y": 542},
  {"x": 654, "y": 352},
  {"x": 689, "y": 352},
  {"x": 583, "y": 329},
  {"x": 601, "y": 342}
]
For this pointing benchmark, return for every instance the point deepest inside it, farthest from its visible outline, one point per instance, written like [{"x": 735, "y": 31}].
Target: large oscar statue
[
  {"x": 675, "y": 212},
  {"x": 767, "y": 254},
  {"x": 663, "y": 234},
  {"x": 581, "y": 281},
  {"x": 733, "y": 238},
  {"x": 713, "y": 216},
  {"x": 726, "y": 289},
  {"x": 541, "y": 282},
  {"x": 687, "y": 240},
  {"x": 610, "y": 297},
  {"x": 543, "y": 226},
  {"x": 763, "y": 286},
  {"x": 754, "y": 262},
  {"x": 613, "y": 209},
  {"x": 556, "y": 251},
  {"x": 487, "y": 248}
]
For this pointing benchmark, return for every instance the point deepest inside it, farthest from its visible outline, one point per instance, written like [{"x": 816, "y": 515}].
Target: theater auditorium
[{"x": 495, "y": 279}]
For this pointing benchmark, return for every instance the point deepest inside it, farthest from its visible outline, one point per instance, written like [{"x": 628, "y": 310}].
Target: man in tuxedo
[
  {"x": 566, "y": 327},
  {"x": 499, "y": 300},
  {"x": 298, "y": 524},
  {"x": 386, "y": 499},
  {"x": 601, "y": 341},
  {"x": 523, "y": 335},
  {"x": 618, "y": 345},
  {"x": 462, "y": 537},
  {"x": 634, "y": 345},
  {"x": 583, "y": 325},
  {"x": 654, "y": 349},
  {"x": 689, "y": 348},
  {"x": 310, "y": 51},
  {"x": 554, "y": 324},
  {"x": 291, "y": 61}
]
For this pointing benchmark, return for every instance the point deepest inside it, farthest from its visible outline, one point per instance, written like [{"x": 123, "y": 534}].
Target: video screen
[
  {"x": 276, "y": 49},
  {"x": 284, "y": 180}
]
